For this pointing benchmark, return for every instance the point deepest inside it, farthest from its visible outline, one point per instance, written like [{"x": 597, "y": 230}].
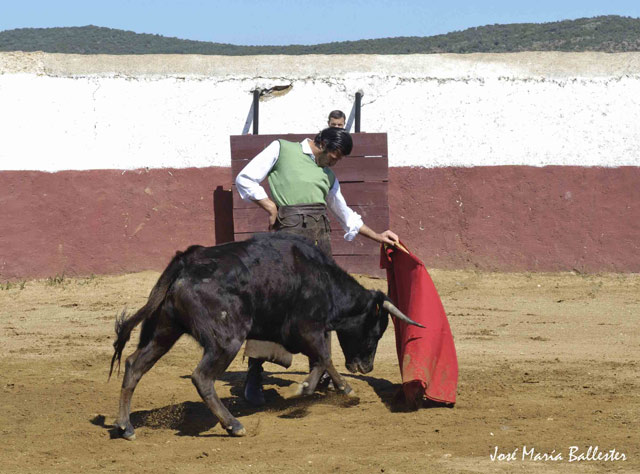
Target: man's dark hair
[
  {"x": 332, "y": 139},
  {"x": 337, "y": 114}
]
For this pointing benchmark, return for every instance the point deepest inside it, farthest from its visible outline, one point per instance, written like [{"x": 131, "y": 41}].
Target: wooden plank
[
  {"x": 349, "y": 169},
  {"x": 355, "y": 194},
  {"x": 248, "y": 146},
  {"x": 378, "y": 221},
  {"x": 246, "y": 221},
  {"x": 365, "y": 194},
  {"x": 364, "y": 144},
  {"x": 236, "y": 167},
  {"x": 369, "y": 144},
  {"x": 354, "y": 169},
  {"x": 260, "y": 223},
  {"x": 241, "y": 237},
  {"x": 368, "y": 213},
  {"x": 359, "y": 246},
  {"x": 239, "y": 203}
]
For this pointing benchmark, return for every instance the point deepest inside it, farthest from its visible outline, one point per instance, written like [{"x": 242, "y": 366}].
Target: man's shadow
[{"x": 389, "y": 393}]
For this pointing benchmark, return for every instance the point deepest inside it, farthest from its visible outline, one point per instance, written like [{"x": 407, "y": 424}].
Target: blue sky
[{"x": 281, "y": 22}]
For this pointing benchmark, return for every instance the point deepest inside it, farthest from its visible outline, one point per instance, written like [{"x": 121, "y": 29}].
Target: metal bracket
[
  {"x": 355, "y": 113},
  {"x": 254, "y": 113}
]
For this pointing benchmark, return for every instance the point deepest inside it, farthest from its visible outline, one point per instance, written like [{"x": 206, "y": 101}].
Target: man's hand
[
  {"x": 271, "y": 208},
  {"x": 387, "y": 237},
  {"x": 272, "y": 219}
]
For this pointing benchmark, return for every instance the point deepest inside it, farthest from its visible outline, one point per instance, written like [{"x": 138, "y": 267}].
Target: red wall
[
  {"x": 83, "y": 222},
  {"x": 506, "y": 218},
  {"x": 515, "y": 218}
]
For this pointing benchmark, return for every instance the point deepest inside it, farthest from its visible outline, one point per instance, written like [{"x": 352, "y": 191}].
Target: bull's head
[{"x": 359, "y": 340}]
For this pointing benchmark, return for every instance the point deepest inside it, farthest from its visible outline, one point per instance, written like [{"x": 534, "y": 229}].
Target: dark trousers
[{"x": 306, "y": 220}]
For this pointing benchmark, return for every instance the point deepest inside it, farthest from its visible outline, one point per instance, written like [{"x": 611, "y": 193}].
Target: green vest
[{"x": 297, "y": 179}]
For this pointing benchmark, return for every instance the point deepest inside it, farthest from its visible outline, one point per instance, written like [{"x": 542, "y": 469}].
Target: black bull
[{"x": 273, "y": 287}]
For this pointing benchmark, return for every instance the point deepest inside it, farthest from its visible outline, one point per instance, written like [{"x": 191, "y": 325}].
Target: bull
[{"x": 274, "y": 287}]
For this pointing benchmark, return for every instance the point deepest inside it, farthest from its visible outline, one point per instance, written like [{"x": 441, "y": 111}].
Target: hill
[{"x": 604, "y": 33}]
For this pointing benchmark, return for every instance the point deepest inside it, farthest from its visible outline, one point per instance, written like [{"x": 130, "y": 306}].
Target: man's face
[
  {"x": 329, "y": 158},
  {"x": 336, "y": 122}
]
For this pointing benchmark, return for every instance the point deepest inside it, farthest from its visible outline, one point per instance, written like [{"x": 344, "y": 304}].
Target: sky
[{"x": 282, "y": 22}]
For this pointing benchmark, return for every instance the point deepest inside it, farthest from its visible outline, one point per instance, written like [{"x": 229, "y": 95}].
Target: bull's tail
[{"x": 124, "y": 324}]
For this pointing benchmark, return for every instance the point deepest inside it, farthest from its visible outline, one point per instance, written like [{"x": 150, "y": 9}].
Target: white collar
[{"x": 306, "y": 148}]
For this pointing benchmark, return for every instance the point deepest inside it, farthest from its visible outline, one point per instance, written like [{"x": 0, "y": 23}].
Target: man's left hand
[{"x": 389, "y": 237}]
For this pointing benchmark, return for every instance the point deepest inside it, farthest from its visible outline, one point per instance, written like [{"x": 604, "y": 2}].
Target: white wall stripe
[{"x": 474, "y": 111}]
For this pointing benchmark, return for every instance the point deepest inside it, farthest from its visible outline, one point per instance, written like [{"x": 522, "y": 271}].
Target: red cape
[{"x": 427, "y": 357}]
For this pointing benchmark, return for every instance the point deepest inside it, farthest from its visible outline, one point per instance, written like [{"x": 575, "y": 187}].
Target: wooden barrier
[{"x": 363, "y": 177}]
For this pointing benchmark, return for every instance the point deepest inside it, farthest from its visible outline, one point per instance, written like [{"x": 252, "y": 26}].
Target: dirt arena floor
[{"x": 547, "y": 362}]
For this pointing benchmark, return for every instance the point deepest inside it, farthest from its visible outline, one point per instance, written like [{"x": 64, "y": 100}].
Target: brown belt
[{"x": 303, "y": 215}]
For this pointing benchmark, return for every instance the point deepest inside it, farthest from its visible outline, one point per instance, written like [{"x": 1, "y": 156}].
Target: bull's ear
[{"x": 379, "y": 297}]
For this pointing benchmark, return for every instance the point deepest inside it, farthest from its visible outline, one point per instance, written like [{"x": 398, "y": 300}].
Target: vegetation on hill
[{"x": 604, "y": 33}]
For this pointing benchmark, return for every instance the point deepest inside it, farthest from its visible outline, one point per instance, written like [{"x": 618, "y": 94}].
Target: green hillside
[{"x": 604, "y": 33}]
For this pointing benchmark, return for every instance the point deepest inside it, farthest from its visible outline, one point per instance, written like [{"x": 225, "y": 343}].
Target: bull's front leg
[
  {"x": 319, "y": 353},
  {"x": 309, "y": 385},
  {"x": 339, "y": 382},
  {"x": 311, "y": 382}
]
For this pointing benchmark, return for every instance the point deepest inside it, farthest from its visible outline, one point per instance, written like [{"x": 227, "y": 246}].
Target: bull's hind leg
[
  {"x": 213, "y": 364},
  {"x": 136, "y": 366}
]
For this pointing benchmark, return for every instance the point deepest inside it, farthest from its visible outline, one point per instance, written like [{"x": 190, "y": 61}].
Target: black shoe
[{"x": 253, "y": 384}]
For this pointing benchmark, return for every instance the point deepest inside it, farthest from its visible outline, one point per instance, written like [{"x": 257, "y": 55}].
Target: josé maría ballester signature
[{"x": 575, "y": 454}]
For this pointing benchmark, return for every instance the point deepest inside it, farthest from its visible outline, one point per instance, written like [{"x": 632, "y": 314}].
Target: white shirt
[{"x": 249, "y": 179}]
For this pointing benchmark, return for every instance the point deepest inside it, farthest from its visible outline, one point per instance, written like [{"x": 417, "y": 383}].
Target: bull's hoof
[
  {"x": 347, "y": 390},
  {"x": 236, "y": 429},
  {"x": 325, "y": 384},
  {"x": 306, "y": 389},
  {"x": 127, "y": 432},
  {"x": 295, "y": 390},
  {"x": 298, "y": 390}
]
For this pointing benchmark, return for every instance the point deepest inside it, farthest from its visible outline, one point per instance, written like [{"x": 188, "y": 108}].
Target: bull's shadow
[
  {"x": 187, "y": 418},
  {"x": 191, "y": 418}
]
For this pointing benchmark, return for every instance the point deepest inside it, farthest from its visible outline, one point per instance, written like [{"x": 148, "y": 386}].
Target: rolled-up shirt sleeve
[
  {"x": 249, "y": 179},
  {"x": 350, "y": 220}
]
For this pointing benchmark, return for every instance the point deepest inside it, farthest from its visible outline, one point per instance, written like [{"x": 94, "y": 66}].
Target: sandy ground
[{"x": 547, "y": 361}]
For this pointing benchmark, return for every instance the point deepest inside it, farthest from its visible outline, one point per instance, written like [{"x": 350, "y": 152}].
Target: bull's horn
[{"x": 398, "y": 314}]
